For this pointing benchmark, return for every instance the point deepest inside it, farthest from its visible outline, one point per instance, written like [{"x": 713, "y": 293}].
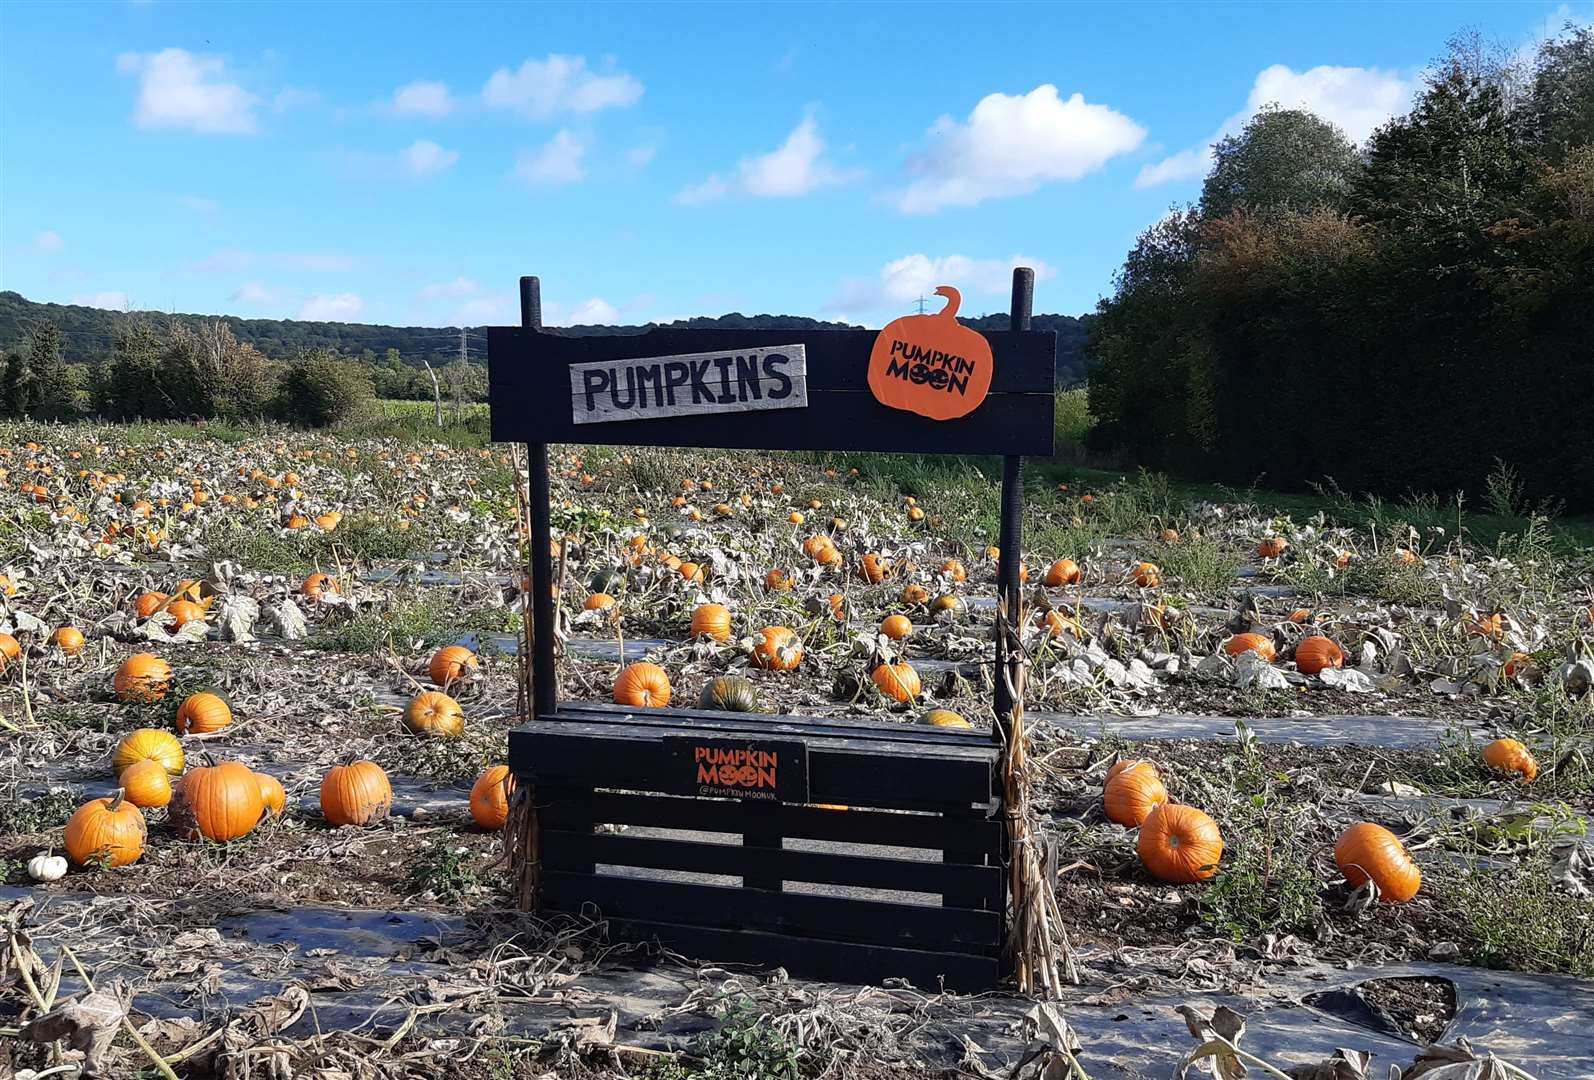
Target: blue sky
[{"x": 404, "y": 163}]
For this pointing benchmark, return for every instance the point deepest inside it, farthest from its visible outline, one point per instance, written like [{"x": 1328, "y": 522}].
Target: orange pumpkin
[
  {"x": 1300, "y": 615},
  {"x": 874, "y": 568},
  {"x": 451, "y": 664},
  {"x": 691, "y": 571},
  {"x": 356, "y": 794},
  {"x": 105, "y": 829},
  {"x": 1057, "y": 623},
  {"x": 1147, "y": 575},
  {"x": 1170, "y": 536},
  {"x": 931, "y": 364},
  {"x": 148, "y": 744},
  {"x": 69, "y": 640},
  {"x": 915, "y": 594},
  {"x": 1366, "y": 850},
  {"x": 713, "y": 621},
  {"x": 1272, "y": 547},
  {"x": 1518, "y": 661},
  {"x": 433, "y": 712},
  {"x": 945, "y": 718},
  {"x": 1179, "y": 844},
  {"x": 142, "y": 677},
  {"x": 778, "y": 581},
  {"x": 598, "y": 601},
  {"x": 149, "y": 603},
  {"x": 1132, "y": 793},
  {"x": 202, "y": 713},
  {"x": 954, "y": 569},
  {"x": 1489, "y": 626},
  {"x": 899, "y": 681},
  {"x": 184, "y": 612},
  {"x": 221, "y": 803},
  {"x": 1257, "y": 643},
  {"x": 642, "y": 685},
  {"x": 489, "y": 797},
  {"x": 1317, "y": 652},
  {"x": 1510, "y": 756},
  {"x": 1063, "y": 572},
  {"x": 10, "y": 649},
  {"x": 777, "y": 648},
  {"x": 318, "y": 585},
  {"x": 147, "y": 783},
  {"x": 1130, "y": 763},
  {"x": 272, "y": 793},
  {"x": 896, "y": 627}
]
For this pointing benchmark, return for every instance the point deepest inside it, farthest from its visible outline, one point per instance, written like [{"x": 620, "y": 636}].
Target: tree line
[
  {"x": 176, "y": 370},
  {"x": 1402, "y": 317}
]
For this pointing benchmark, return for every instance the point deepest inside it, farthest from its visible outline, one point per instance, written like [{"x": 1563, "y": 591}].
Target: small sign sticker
[
  {"x": 743, "y": 380},
  {"x": 737, "y": 768},
  {"x": 932, "y": 365}
]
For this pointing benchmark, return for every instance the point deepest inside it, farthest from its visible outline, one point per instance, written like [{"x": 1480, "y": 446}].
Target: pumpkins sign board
[
  {"x": 773, "y": 377},
  {"x": 737, "y": 769},
  {"x": 932, "y": 365}
]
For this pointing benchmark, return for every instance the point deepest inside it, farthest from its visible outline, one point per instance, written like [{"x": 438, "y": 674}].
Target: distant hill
[{"x": 88, "y": 333}]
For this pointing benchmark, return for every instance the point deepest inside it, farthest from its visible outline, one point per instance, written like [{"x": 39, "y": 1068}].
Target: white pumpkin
[{"x": 47, "y": 867}]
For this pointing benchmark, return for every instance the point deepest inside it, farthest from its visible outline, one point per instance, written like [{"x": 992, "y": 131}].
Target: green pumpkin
[
  {"x": 673, "y": 532},
  {"x": 604, "y": 581},
  {"x": 728, "y": 693}
]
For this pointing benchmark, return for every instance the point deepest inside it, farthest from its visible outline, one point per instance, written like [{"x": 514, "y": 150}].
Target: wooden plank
[
  {"x": 573, "y": 851},
  {"x": 728, "y": 907},
  {"x": 896, "y": 776},
  {"x": 760, "y": 851},
  {"x": 814, "y": 958},
  {"x": 691, "y": 384},
  {"x": 852, "y": 726},
  {"x": 842, "y": 414},
  {"x": 902, "y": 830}
]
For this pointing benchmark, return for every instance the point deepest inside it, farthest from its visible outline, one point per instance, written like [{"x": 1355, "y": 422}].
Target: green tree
[
  {"x": 51, "y": 395},
  {"x": 1284, "y": 159},
  {"x": 132, "y": 387},
  {"x": 209, "y": 373},
  {"x": 1557, "y": 114}
]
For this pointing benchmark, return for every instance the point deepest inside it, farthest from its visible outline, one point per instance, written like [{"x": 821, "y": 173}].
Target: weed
[
  {"x": 743, "y": 1047},
  {"x": 1516, "y": 919},
  {"x": 433, "y": 620},
  {"x": 40, "y": 813},
  {"x": 444, "y": 872}
]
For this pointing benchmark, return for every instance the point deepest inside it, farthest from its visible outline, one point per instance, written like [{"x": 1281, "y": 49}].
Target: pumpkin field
[{"x": 1323, "y": 776}]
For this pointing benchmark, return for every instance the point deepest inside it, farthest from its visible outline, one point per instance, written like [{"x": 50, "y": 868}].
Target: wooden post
[
  {"x": 545, "y": 692},
  {"x": 1012, "y": 534}
]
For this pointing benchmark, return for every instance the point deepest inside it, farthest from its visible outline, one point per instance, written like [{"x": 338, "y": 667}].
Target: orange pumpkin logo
[{"x": 931, "y": 364}]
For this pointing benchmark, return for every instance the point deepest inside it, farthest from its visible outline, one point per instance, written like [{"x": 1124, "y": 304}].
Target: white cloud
[
  {"x": 641, "y": 155},
  {"x": 293, "y": 97},
  {"x": 113, "y": 301},
  {"x": 1356, "y": 100},
  {"x": 540, "y": 89},
  {"x": 796, "y": 167},
  {"x": 484, "y": 310},
  {"x": 332, "y": 307},
  {"x": 188, "y": 91},
  {"x": 424, "y": 99},
  {"x": 1013, "y": 144},
  {"x": 460, "y": 286},
  {"x": 592, "y": 312},
  {"x": 198, "y": 204},
  {"x": 904, "y": 280},
  {"x": 253, "y": 292},
  {"x": 558, "y": 161},
  {"x": 425, "y": 158},
  {"x": 47, "y": 241}
]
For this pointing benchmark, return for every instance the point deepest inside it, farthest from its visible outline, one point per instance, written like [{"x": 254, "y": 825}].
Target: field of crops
[{"x": 255, "y": 685}]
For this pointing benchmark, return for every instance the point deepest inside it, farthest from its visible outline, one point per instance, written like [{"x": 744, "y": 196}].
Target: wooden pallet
[{"x": 906, "y": 882}]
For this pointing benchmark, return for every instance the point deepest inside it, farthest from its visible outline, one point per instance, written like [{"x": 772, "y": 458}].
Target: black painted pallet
[{"x": 904, "y": 816}]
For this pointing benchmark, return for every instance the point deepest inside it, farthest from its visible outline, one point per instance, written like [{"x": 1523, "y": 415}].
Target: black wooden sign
[
  {"x": 770, "y": 770},
  {"x": 540, "y": 381}
]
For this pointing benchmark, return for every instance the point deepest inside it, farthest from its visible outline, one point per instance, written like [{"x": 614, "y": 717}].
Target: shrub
[{"x": 320, "y": 388}]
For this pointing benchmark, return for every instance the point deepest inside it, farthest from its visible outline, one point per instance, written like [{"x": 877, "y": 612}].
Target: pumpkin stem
[
  {"x": 116, "y": 803},
  {"x": 953, "y": 299}
]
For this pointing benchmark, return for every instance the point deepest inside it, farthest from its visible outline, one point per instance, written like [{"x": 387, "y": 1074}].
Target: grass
[
  {"x": 743, "y": 1047},
  {"x": 428, "y": 622},
  {"x": 361, "y": 538}
]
